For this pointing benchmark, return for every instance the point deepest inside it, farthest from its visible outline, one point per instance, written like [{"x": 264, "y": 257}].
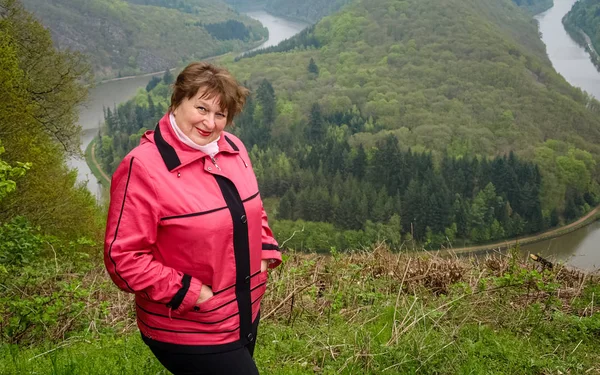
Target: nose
[{"x": 209, "y": 121}]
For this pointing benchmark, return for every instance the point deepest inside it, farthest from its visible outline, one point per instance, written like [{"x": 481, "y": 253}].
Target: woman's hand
[
  {"x": 264, "y": 264},
  {"x": 205, "y": 293}
]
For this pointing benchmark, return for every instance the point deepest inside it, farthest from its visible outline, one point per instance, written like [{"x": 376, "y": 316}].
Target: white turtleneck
[{"x": 211, "y": 148}]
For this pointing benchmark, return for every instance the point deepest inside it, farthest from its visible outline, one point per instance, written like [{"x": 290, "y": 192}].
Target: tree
[
  {"x": 167, "y": 78},
  {"x": 266, "y": 97},
  {"x": 312, "y": 67},
  {"x": 153, "y": 82},
  {"x": 316, "y": 125}
]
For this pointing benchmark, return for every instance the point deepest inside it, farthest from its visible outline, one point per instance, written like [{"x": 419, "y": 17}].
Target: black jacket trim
[
  {"x": 117, "y": 228},
  {"x": 186, "y": 320},
  {"x": 167, "y": 151},
  {"x": 183, "y": 216},
  {"x": 233, "y": 145},
  {"x": 180, "y": 295},
  {"x": 228, "y": 302},
  {"x": 231, "y": 286},
  {"x": 258, "y": 286},
  {"x": 258, "y": 298},
  {"x": 251, "y": 197},
  {"x": 189, "y": 332},
  {"x": 200, "y": 349},
  {"x": 268, "y": 246},
  {"x": 241, "y": 250},
  {"x": 193, "y": 214},
  {"x": 216, "y": 308}
]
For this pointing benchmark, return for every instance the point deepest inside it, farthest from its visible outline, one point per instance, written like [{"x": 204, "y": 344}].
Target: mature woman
[{"x": 187, "y": 232}]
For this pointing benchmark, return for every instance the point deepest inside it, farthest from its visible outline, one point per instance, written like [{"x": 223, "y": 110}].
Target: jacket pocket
[{"x": 219, "y": 309}]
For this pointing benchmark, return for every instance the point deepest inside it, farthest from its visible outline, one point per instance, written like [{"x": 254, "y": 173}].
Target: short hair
[{"x": 215, "y": 82}]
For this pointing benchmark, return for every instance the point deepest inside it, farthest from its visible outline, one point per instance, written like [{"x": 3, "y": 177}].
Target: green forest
[
  {"x": 371, "y": 310},
  {"x": 130, "y": 37},
  {"x": 312, "y": 11},
  {"x": 584, "y": 18},
  {"x": 362, "y": 128}
]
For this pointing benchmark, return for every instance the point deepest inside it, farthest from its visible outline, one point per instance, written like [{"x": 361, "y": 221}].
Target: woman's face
[{"x": 202, "y": 120}]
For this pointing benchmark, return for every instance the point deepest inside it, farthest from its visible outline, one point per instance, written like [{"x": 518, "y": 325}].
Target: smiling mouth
[{"x": 203, "y": 133}]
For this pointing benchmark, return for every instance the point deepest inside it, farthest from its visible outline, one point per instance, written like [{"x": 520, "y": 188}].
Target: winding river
[
  {"x": 580, "y": 248},
  {"x": 111, "y": 93}
]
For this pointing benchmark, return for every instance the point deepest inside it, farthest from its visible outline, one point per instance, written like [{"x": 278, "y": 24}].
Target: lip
[{"x": 203, "y": 133}]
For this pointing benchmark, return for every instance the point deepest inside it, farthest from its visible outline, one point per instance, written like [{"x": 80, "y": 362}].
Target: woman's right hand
[{"x": 205, "y": 293}]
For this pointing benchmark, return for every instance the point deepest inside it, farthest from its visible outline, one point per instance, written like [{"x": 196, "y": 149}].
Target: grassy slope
[
  {"x": 123, "y": 38},
  {"x": 437, "y": 75},
  {"x": 366, "y": 313}
]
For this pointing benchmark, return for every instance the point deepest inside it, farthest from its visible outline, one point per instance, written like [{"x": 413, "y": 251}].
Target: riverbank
[
  {"x": 587, "y": 219},
  {"x": 583, "y": 40},
  {"x": 210, "y": 58},
  {"x": 361, "y": 313},
  {"x": 95, "y": 168}
]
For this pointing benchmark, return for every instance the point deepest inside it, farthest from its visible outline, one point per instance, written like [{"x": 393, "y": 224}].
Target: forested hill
[
  {"x": 585, "y": 16},
  {"x": 443, "y": 121},
  {"x": 127, "y": 37},
  {"x": 313, "y": 10},
  {"x": 535, "y": 6}
]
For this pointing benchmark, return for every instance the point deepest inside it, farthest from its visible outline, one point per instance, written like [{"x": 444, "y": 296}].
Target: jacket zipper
[{"x": 215, "y": 162}]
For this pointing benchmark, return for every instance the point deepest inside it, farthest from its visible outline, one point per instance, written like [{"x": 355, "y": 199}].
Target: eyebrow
[{"x": 204, "y": 103}]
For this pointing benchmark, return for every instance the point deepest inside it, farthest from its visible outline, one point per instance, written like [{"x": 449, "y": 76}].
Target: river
[
  {"x": 582, "y": 247},
  {"x": 579, "y": 248},
  {"x": 108, "y": 94}
]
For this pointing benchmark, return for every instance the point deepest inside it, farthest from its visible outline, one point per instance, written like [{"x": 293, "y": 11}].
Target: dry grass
[{"x": 306, "y": 285}]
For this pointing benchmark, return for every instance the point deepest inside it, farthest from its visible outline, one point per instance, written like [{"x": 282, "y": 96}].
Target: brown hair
[{"x": 215, "y": 82}]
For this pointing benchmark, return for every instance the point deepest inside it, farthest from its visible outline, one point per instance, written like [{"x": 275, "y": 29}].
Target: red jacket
[{"x": 178, "y": 220}]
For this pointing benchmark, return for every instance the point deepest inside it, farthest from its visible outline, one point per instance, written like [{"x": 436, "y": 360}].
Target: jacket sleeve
[
  {"x": 131, "y": 232},
  {"x": 270, "y": 248}
]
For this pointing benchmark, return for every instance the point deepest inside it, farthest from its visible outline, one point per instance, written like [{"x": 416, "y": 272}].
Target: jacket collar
[{"x": 175, "y": 153}]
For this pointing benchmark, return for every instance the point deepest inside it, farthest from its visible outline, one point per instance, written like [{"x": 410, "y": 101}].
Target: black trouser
[{"x": 235, "y": 362}]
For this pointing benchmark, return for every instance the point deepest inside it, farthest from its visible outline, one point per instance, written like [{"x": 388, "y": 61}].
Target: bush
[{"x": 20, "y": 243}]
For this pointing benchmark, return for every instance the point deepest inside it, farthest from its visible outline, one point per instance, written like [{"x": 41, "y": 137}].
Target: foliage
[
  {"x": 583, "y": 24},
  {"x": 450, "y": 164},
  {"x": 535, "y": 6},
  {"x": 303, "y": 40},
  {"x": 20, "y": 244},
  {"x": 230, "y": 29},
  {"x": 367, "y": 312},
  {"x": 8, "y": 175},
  {"x": 40, "y": 90},
  {"x": 128, "y": 37}
]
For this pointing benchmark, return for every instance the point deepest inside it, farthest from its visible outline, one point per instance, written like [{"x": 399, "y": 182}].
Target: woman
[{"x": 187, "y": 232}]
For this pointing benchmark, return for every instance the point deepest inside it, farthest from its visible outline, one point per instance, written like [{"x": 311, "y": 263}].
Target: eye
[
  {"x": 221, "y": 115},
  {"x": 201, "y": 109}
]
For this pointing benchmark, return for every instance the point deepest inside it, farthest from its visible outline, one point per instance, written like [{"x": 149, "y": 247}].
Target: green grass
[
  {"x": 332, "y": 346},
  {"x": 375, "y": 313}
]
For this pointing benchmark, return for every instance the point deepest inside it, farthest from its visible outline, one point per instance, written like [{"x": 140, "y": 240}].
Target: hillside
[
  {"x": 364, "y": 313},
  {"x": 583, "y": 24},
  {"x": 313, "y": 10},
  {"x": 128, "y": 37},
  {"x": 371, "y": 125},
  {"x": 535, "y": 6}
]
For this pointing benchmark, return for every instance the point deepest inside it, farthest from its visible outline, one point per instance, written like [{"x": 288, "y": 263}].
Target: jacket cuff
[
  {"x": 273, "y": 255},
  {"x": 190, "y": 298}
]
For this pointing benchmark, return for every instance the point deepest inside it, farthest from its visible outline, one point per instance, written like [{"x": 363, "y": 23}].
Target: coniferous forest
[{"x": 403, "y": 143}]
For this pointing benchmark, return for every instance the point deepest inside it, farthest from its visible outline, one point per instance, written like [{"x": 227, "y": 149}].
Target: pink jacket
[{"x": 177, "y": 220}]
